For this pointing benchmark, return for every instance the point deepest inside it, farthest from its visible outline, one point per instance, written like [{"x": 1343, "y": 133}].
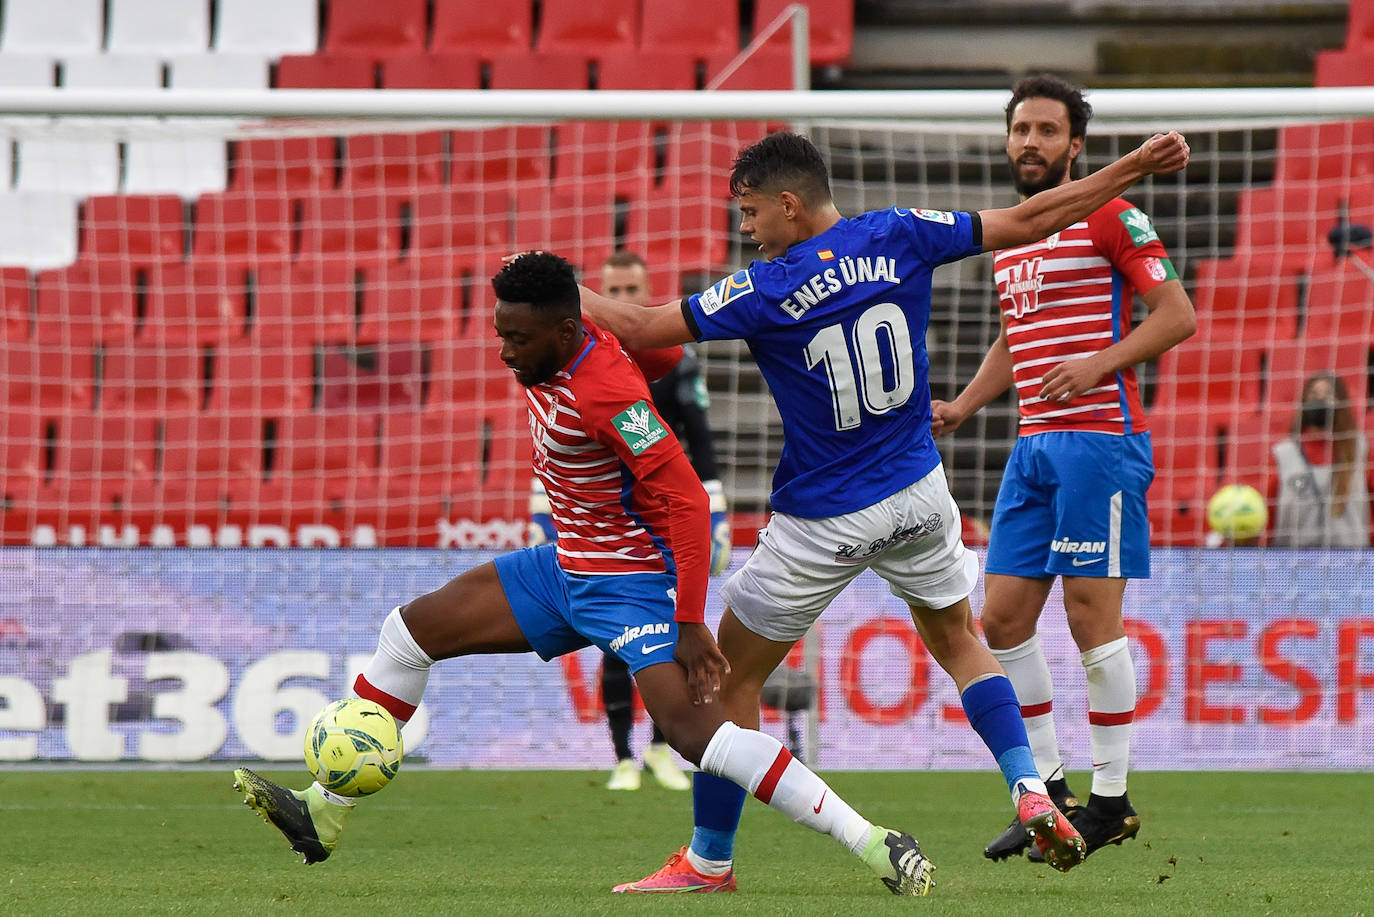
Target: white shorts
[{"x": 911, "y": 539}]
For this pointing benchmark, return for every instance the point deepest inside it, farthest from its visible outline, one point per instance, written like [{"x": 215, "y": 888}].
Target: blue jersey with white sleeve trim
[{"x": 837, "y": 326}]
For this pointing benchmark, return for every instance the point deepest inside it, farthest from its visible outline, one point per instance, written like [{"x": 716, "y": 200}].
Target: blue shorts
[
  {"x": 630, "y": 615},
  {"x": 1073, "y": 504}
]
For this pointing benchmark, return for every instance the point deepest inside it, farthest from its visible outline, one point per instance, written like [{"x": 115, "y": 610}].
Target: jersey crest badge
[{"x": 638, "y": 426}]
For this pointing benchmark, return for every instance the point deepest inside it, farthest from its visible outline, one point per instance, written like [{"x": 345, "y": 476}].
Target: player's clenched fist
[{"x": 1163, "y": 153}]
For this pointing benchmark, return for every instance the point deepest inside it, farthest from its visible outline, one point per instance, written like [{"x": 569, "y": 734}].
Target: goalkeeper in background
[
  {"x": 1072, "y": 500},
  {"x": 681, "y": 399}
]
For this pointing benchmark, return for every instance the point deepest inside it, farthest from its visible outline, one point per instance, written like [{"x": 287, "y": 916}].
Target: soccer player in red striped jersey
[
  {"x": 627, "y": 573},
  {"x": 1072, "y": 499}
]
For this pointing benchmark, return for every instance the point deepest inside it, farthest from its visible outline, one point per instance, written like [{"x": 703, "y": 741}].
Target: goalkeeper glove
[
  {"x": 720, "y": 527},
  {"x": 540, "y": 529}
]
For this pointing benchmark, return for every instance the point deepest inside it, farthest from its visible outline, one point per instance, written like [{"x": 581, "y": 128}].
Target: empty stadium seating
[{"x": 482, "y": 28}]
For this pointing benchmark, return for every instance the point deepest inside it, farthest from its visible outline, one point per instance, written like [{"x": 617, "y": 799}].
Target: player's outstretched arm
[
  {"x": 1057, "y": 208},
  {"x": 638, "y": 327}
]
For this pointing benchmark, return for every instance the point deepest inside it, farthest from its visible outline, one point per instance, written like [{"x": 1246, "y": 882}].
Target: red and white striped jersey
[
  {"x": 596, "y": 435},
  {"x": 1070, "y": 295}
]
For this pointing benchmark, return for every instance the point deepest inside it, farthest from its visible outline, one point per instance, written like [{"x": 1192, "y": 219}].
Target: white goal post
[{"x": 261, "y": 319}]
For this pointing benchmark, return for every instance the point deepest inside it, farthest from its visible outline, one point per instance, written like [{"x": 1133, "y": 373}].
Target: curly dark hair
[
  {"x": 783, "y": 161},
  {"x": 1049, "y": 86},
  {"x": 544, "y": 280}
]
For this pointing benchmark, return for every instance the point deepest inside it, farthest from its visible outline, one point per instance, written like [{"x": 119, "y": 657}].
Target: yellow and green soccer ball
[
  {"x": 1237, "y": 512},
  {"x": 353, "y": 747}
]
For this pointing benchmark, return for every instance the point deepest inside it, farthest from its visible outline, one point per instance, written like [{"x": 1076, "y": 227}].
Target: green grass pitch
[{"x": 535, "y": 843}]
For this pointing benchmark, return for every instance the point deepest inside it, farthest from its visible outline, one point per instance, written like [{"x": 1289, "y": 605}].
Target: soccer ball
[
  {"x": 1237, "y": 511},
  {"x": 353, "y": 747}
]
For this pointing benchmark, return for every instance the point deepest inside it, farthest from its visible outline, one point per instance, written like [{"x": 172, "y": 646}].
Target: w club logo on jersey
[
  {"x": 639, "y": 427},
  {"x": 1023, "y": 286},
  {"x": 726, "y": 291},
  {"x": 1138, "y": 224}
]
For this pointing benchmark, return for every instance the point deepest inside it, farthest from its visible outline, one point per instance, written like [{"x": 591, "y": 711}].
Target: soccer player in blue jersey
[{"x": 836, "y": 319}]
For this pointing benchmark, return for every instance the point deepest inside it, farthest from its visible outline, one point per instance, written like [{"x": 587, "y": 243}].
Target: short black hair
[
  {"x": 783, "y": 161},
  {"x": 1049, "y": 86},
  {"x": 542, "y": 279}
]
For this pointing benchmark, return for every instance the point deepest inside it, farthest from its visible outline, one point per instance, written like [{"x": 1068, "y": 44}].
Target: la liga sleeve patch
[{"x": 639, "y": 427}]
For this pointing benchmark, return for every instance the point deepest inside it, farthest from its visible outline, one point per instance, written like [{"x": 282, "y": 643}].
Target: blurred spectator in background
[{"x": 1323, "y": 500}]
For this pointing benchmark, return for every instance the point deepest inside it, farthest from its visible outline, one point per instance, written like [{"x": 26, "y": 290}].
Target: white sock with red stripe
[
  {"x": 397, "y": 673},
  {"x": 1111, "y": 711},
  {"x": 759, "y": 763},
  {"x": 1029, "y": 673}
]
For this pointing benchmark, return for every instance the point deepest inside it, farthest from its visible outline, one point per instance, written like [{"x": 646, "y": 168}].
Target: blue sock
[
  {"x": 995, "y": 714},
  {"x": 716, "y": 807}
]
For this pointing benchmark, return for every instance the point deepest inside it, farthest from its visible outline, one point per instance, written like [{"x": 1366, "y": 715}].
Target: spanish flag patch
[{"x": 826, "y": 254}]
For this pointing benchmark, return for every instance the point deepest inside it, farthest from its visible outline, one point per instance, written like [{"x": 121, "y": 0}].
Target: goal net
[{"x": 262, "y": 327}]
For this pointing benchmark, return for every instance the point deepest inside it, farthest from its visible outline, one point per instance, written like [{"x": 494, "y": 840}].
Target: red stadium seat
[
  {"x": 701, "y": 29},
  {"x": 463, "y": 223},
  {"x": 617, "y": 156},
  {"x": 768, "y": 67},
  {"x": 1177, "y": 507},
  {"x": 241, "y": 226},
  {"x": 1343, "y": 68},
  {"x": 45, "y": 379},
  {"x": 579, "y": 226},
  {"x": 151, "y": 379},
  {"x": 311, "y": 302},
  {"x": 1253, "y": 298},
  {"x": 1288, "y": 223},
  {"x": 218, "y": 445},
  {"x": 395, "y": 161},
  {"x": 365, "y": 27},
  {"x": 385, "y": 376},
  {"x": 479, "y": 27},
  {"x": 14, "y": 303},
  {"x": 85, "y": 304},
  {"x": 413, "y": 300},
  {"x": 432, "y": 71},
  {"x": 505, "y": 156},
  {"x": 319, "y": 444},
  {"x": 1186, "y": 441},
  {"x": 1340, "y": 304},
  {"x": 23, "y": 443},
  {"x": 607, "y": 27},
  {"x": 831, "y": 26},
  {"x": 134, "y": 227},
  {"x": 658, "y": 70},
  {"x": 1323, "y": 152},
  {"x": 263, "y": 378},
  {"x": 1247, "y": 451},
  {"x": 362, "y": 223},
  {"x": 202, "y": 303},
  {"x": 284, "y": 165},
  {"x": 540, "y": 70},
  {"x": 327, "y": 71},
  {"x": 109, "y": 446},
  {"x": 689, "y": 231},
  {"x": 433, "y": 451},
  {"x": 1221, "y": 374},
  {"x": 457, "y": 463}
]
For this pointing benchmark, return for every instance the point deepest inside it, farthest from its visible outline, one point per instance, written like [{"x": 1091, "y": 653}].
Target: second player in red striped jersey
[{"x": 1072, "y": 500}]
